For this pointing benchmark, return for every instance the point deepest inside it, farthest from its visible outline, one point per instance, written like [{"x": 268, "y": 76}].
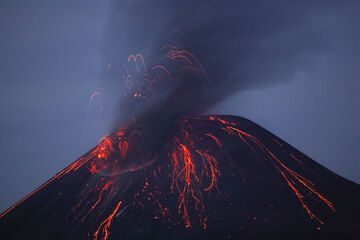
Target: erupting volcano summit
[{"x": 171, "y": 173}]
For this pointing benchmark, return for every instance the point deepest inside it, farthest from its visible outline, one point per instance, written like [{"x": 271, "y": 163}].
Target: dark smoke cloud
[
  {"x": 263, "y": 43},
  {"x": 239, "y": 43}
]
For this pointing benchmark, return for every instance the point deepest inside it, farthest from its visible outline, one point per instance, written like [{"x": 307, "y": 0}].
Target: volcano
[{"x": 209, "y": 177}]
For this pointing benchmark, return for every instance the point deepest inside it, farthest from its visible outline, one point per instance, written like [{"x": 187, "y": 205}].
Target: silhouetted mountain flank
[{"x": 212, "y": 177}]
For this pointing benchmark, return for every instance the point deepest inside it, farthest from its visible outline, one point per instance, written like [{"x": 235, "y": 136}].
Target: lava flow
[
  {"x": 291, "y": 177},
  {"x": 167, "y": 171},
  {"x": 105, "y": 225}
]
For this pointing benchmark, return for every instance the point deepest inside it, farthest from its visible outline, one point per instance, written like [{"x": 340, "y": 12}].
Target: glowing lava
[
  {"x": 187, "y": 157},
  {"x": 291, "y": 177},
  {"x": 103, "y": 229}
]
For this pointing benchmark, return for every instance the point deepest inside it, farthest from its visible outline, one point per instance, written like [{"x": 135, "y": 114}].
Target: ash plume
[
  {"x": 167, "y": 170},
  {"x": 235, "y": 42}
]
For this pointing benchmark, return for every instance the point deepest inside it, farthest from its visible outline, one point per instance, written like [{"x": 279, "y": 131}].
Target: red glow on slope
[
  {"x": 194, "y": 167},
  {"x": 183, "y": 165},
  {"x": 73, "y": 167},
  {"x": 290, "y": 176},
  {"x": 104, "y": 188},
  {"x": 210, "y": 168},
  {"x": 123, "y": 147},
  {"x": 194, "y": 170},
  {"x": 103, "y": 228},
  {"x": 215, "y": 139},
  {"x": 187, "y": 163}
]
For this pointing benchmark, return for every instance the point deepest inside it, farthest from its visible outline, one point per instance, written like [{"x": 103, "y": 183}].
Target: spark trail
[
  {"x": 291, "y": 177},
  {"x": 103, "y": 229},
  {"x": 190, "y": 161}
]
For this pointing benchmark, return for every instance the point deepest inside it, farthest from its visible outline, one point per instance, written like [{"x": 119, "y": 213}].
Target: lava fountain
[{"x": 175, "y": 164}]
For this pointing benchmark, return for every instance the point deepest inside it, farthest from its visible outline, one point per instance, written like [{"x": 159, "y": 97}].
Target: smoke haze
[{"x": 292, "y": 67}]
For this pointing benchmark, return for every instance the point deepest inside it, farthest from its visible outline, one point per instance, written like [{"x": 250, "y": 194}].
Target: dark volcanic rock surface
[{"x": 251, "y": 199}]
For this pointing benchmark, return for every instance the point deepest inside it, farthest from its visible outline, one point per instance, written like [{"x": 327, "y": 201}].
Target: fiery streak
[
  {"x": 188, "y": 58},
  {"x": 93, "y": 96},
  {"x": 215, "y": 139},
  {"x": 73, "y": 167},
  {"x": 161, "y": 67},
  {"x": 288, "y": 174},
  {"x": 104, "y": 188},
  {"x": 101, "y": 188},
  {"x": 135, "y": 59},
  {"x": 105, "y": 147},
  {"x": 213, "y": 168},
  {"x": 100, "y": 152},
  {"x": 192, "y": 168},
  {"x": 123, "y": 147},
  {"x": 183, "y": 163},
  {"x": 187, "y": 161},
  {"x": 278, "y": 143},
  {"x": 105, "y": 225}
]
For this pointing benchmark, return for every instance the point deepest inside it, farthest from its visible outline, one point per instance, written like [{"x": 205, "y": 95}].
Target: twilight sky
[{"x": 299, "y": 65}]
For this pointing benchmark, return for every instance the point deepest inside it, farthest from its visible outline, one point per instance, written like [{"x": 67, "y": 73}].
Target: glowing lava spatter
[
  {"x": 191, "y": 158},
  {"x": 103, "y": 188},
  {"x": 187, "y": 162},
  {"x": 291, "y": 177},
  {"x": 215, "y": 139},
  {"x": 103, "y": 228},
  {"x": 210, "y": 168},
  {"x": 73, "y": 167}
]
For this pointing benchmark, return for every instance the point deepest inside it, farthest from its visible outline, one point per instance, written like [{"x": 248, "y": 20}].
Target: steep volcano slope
[{"x": 214, "y": 177}]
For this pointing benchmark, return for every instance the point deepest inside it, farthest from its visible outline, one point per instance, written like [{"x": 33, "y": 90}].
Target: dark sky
[{"x": 300, "y": 62}]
